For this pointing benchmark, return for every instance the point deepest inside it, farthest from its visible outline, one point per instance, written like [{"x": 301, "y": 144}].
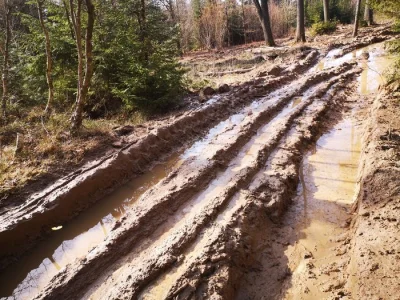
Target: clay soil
[{"x": 283, "y": 186}]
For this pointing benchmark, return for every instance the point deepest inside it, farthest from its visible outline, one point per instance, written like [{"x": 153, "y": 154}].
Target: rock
[
  {"x": 124, "y": 130},
  {"x": 364, "y": 55},
  {"x": 117, "y": 144},
  {"x": 262, "y": 74},
  {"x": 224, "y": 88},
  {"x": 205, "y": 93},
  {"x": 275, "y": 71},
  {"x": 258, "y": 59},
  {"x": 208, "y": 91}
]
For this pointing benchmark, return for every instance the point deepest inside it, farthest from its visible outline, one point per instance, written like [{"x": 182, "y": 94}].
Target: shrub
[{"x": 323, "y": 27}]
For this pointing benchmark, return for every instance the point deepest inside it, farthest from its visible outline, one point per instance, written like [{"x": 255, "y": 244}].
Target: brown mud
[{"x": 259, "y": 203}]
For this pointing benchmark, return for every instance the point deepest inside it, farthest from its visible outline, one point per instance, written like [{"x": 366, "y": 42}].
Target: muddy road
[{"x": 250, "y": 195}]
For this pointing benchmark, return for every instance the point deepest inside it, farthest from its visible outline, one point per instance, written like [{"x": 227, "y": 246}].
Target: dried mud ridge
[
  {"x": 263, "y": 180},
  {"x": 81, "y": 189}
]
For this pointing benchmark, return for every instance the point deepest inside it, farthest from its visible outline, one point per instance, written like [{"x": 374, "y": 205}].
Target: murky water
[
  {"x": 75, "y": 239},
  {"x": 328, "y": 184},
  {"x": 328, "y": 187}
]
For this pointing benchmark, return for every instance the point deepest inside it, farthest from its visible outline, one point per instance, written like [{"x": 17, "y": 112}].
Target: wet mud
[{"x": 258, "y": 203}]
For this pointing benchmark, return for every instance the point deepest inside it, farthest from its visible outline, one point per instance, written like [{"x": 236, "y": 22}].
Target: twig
[{"x": 44, "y": 127}]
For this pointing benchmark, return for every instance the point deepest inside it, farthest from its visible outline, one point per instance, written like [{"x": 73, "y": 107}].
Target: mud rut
[{"x": 191, "y": 234}]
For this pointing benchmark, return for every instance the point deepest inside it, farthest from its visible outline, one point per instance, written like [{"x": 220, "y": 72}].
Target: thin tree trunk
[
  {"x": 6, "y": 58},
  {"x": 300, "y": 31},
  {"x": 357, "y": 14},
  {"x": 49, "y": 62},
  {"x": 84, "y": 80},
  {"x": 263, "y": 15},
  {"x": 176, "y": 22},
  {"x": 368, "y": 14},
  {"x": 244, "y": 23},
  {"x": 71, "y": 28},
  {"x": 326, "y": 10}
]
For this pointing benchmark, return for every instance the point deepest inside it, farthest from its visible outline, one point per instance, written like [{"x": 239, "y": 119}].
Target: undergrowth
[
  {"x": 46, "y": 145},
  {"x": 320, "y": 28}
]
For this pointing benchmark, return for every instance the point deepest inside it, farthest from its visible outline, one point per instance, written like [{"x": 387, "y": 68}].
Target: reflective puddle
[
  {"x": 75, "y": 239},
  {"x": 328, "y": 187}
]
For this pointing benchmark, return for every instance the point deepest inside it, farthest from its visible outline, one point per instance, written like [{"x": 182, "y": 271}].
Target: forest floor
[{"x": 282, "y": 185}]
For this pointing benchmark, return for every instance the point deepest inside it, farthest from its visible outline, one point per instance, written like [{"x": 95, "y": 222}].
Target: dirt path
[{"x": 207, "y": 219}]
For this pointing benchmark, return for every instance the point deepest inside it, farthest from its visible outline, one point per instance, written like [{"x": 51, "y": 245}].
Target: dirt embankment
[{"x": 374, "y": 269}]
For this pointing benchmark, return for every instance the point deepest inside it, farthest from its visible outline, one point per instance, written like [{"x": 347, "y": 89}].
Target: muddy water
[
  {"x": 74, "y": 240},
  {"x": 328, "y": 187}
]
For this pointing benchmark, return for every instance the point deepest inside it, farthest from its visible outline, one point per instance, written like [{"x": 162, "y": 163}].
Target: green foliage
[
  {"x": 314, "y": 11},
  {"x": 342, "y": 11},
  {"x": 323, "y": 28},
  {"x": 132, "y": 67},
  {"x": 393, "y": 77},
  {"x": 388, "y": 7},
  {"x": 339, "y": 10},
  {"x": 391, "y": 8}
]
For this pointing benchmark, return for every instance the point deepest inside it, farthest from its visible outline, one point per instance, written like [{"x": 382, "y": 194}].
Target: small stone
[
  {"x": 117, "y": 144},
  {"x": 208, "y": 91},
  {"x": 224, "y": 88},
  {"x": 374, "y": 267},
  {"x": 124, "y": 130}
]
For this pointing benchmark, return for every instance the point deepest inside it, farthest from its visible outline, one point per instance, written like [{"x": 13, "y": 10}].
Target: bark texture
[
  {"x": 326, "y": 10},
  {"x": 84, "y": 76},
  {"x": 263, "y": 15},
  {"x": 368, "y": 14},
  {"x": 6, "y": 59},
  {"x": 356, "y": 21},
  {"x": 49, "y": 61},
  {"x": 300, "y": 31}
]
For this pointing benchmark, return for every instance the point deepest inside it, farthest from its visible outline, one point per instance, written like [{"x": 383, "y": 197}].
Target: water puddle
[
  {"x": 328, "y": 187},
  {"x": 75, "y": 239},
  {"x": 373, "y": 66}
]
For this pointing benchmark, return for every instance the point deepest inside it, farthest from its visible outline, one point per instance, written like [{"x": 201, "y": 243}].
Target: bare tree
[
  {"x": 368, "y": 13},
  {"x": 300, "y": 31},
  {"x": 357, "y": 15},
  {"x": 84, "y": 59},
  {"x": 6, "y": 58},
  {"x": 326, "y": 10},
  {"x": 263, "y": 15},
  {"x": 49, "y": 62}
]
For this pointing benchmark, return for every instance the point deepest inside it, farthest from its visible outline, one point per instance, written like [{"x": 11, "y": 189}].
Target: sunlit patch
[{"x": 56, "y": 228}]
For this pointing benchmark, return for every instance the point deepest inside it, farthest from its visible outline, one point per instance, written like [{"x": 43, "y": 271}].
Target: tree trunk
[
  {"x": 326, "y": 10},
  {"x": 84, "y": 78},
  {"x": 368, "y": 14},
  {"x": 71, "y": 28},
  {"x": 300, "y": 31},
  {"x": 263, "y": 15},
  {"x": 49, "y": 62},
  {"x": 244, "y": 23},
  {"x": 6, "y": 58},
  {"x": 357, "y": 14}
]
